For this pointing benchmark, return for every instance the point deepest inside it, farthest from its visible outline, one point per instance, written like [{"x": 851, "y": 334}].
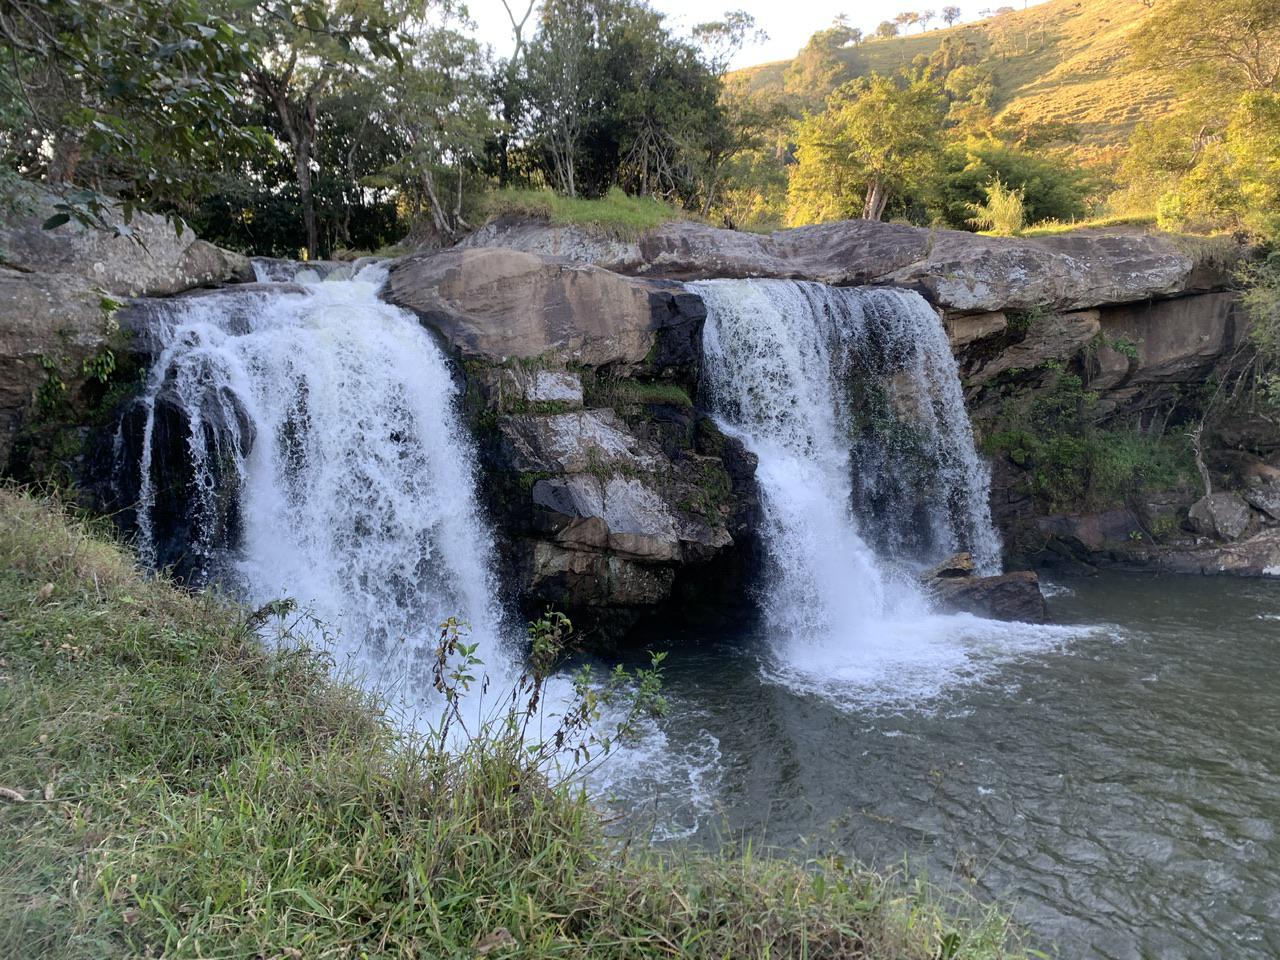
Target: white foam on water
[{"x": 1056, "y": 589}]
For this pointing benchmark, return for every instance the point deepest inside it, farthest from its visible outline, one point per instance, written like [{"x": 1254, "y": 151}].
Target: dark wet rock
[{"x": 1009, "y": 596}]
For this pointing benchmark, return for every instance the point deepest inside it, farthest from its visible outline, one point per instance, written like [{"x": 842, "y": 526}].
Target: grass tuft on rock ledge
[
  {"x": 616, "y": 213},
  {"x": 172, "y": 789}
]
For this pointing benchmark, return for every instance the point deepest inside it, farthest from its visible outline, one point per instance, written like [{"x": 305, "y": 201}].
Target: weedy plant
[{"x": 579, "y": 737}]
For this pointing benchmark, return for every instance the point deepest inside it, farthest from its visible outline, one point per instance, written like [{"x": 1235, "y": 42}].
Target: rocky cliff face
[
  {"x": 614, "y": 495},
  {"x": 59, "y": 291},
  {"x": 1086, "y": 343},
  {"x": 617, "y": 498}
]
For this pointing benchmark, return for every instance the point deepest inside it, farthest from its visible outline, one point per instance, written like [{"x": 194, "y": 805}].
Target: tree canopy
[{"x": 876, "y": 139}]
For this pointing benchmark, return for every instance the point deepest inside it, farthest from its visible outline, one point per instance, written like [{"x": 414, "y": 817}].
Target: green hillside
[{"x": 1064, "y": 61}]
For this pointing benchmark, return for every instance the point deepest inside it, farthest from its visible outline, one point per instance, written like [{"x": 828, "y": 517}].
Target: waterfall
[
  {"x": 319, "y": 455},
  {"x": 851, "y": 400}
]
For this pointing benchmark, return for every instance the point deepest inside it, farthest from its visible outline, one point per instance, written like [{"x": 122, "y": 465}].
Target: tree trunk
[
  {"x": 438, "y": 217},
  {"x": 302, "y": 165},
  {"x": 876, "y": 199},
  {"x": 65, "y": 159}
]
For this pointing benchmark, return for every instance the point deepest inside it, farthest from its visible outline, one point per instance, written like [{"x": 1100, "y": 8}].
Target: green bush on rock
[
  {"x": 171, "y": 788},
  {"x": 1073, "y": 465}
]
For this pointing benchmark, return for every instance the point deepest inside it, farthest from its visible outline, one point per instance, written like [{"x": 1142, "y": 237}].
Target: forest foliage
[{"x": 308, "y": 126}]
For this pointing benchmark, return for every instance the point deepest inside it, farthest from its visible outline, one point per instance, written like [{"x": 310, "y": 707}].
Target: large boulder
[
  {"x": 1009, "y": 596},
  {"x": 1265, "y": 498},
  {"x": 154, "y": 257},
  {"x": 958, "y": 271},
  {"x": 59, "y": 290},
  {"x": 1223, "y": 516},
  {"x": 499, "y": 305}
]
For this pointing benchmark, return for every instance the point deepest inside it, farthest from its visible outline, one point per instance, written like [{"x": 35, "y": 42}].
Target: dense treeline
[
  {"x": 281, "y": 126},
  {"x": 287, "y": 125}
]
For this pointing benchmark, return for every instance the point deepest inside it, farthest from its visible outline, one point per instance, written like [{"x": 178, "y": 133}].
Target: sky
[{"x": 789, "y": 23}]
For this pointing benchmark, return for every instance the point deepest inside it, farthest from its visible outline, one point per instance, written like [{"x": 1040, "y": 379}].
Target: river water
[{"x": 1118, "y": 788}]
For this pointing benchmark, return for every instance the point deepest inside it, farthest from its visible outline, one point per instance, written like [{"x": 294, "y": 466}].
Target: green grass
[
  {"x": 615, "y": 213},
  {"x": 1051, "y": 228},
  {"x": 171, "y": 789},
  {"x": 623, "y": 392}
]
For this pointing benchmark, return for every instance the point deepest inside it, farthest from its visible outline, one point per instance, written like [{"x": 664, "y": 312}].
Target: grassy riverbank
[{"x": 170, "y": 789}]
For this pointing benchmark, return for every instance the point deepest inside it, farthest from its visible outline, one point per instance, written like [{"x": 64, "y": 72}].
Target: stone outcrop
[
  {"x": 505, "y": 305},
  {"x": 1011, "y": 596},
  {"x": 612, "y": 493},
  {"x": 1255, "y": 556},
  {"x": 1223, "y": 516},
  {"x": 957, "y": 271},
  {"x": 58, "y": 292},
  {"x": 1052, "y": 338}
]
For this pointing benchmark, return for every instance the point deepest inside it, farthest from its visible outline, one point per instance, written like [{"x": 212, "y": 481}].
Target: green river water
[{"x": 1118, "y": 789}]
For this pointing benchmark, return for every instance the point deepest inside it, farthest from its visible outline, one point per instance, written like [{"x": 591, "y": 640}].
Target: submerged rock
[{"x": 1009, "y": 596}]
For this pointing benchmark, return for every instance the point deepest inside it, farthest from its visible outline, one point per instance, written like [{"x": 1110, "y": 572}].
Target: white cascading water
[
  {"x": 787, "y": 364},
  {"x": 357, "y": 495}
]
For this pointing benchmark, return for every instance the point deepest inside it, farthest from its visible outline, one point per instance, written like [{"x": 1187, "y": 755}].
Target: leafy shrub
[
  {"x": 1073, "y": 465},
  {"x": 1002, "y": 213},
  {"x": 1051, "y": 189}
]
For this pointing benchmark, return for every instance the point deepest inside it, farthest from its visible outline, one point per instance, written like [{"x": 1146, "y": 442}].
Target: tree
[
  {"x": 822, "y": 65},
  {"x": 950, "y": 15},
  {"x": 304, "y": 53},
  {"x": 876, "y": 139},
  {"x": 1209, "y": 166},
  {"x": 1214, "y": 45},
  {"x": 137, "y": 97},
  {"x": 559, "y": 76},
  {"x": 436, "y": 105},
  {"x": 886, "y": 30},
  {"x": 927, "y": 17},
  {"x": 507, "y": 83},
  {"x": 907, "y": 18},
  {"x": 618, "y": 100}
]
